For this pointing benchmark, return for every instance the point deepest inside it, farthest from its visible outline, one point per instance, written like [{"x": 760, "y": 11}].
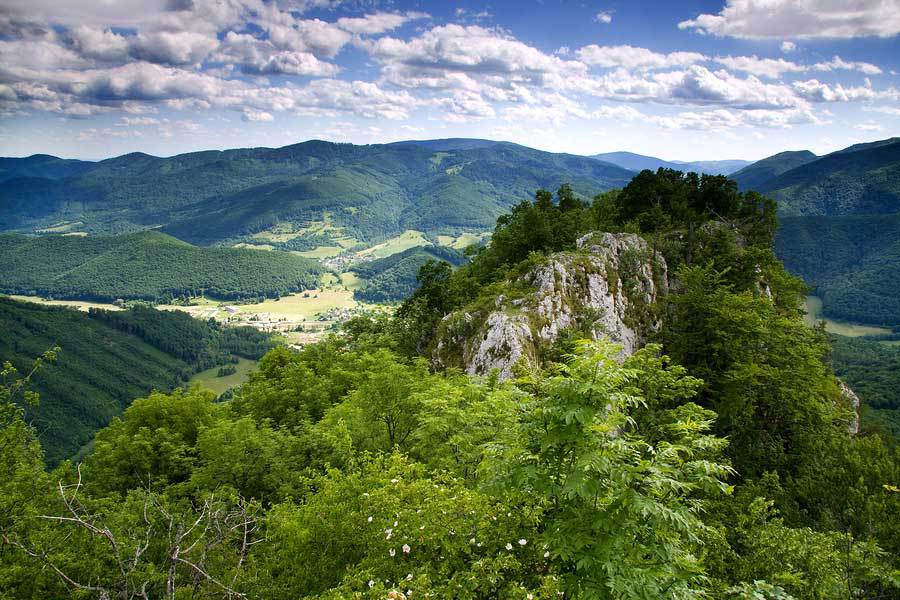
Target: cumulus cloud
[
  {"x": 257, "y": 115},
  {"x": 604, "y": 17},
  {"x": 762, "y": 19},
  {"x": 788, "y": 47},
  {"x": 630, "y": 57},
  {"x": 838, "y": 63},
  {"x": 762, "y": 67},
  {"x": 378, "y": 22}
]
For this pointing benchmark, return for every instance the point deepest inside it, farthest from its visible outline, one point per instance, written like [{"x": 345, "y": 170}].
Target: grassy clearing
[
  {"x": 61, "y": 227},
  {"x": 80, "y": 305},
  {"x": 254, "y": 246},
  {"x": 463, "y": 241},
  {"x": 813, "y": 308},
  {"x": 209, "y": 378},
  {"x": 321, "y": 252},
  {"x": 406, "y": 240}
]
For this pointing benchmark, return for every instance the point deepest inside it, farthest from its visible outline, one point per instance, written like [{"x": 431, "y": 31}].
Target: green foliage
[{"x": 146, "y": 266}]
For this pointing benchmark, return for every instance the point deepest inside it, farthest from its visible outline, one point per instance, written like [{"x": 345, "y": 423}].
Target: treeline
[
  {"x": 852, "y": 262},
  {"x": 146, "y": 266},
  {"x": 393, "y": 278},
  {"x": 107, "y": 359}
]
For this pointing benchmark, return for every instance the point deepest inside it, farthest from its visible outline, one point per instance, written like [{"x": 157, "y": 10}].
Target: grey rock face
[
  {"x": 851, "y": 397},
  {"x": 606, "y": 289}
]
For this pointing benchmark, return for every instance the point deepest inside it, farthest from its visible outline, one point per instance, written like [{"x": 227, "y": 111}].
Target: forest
[
  {"x": 146, "y": 266},
  {"x": 394, "y": 278},
  {"x": 140, "y": 350},
  {"x": 713, "y": 463}
]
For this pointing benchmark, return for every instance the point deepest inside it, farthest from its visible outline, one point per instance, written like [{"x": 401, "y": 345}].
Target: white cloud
[
  {"x": 837, "y": 63},
  {"x": 257, "y": 115},
  {"x": 793, "y": 19},
  {"x": 772, "y": 68},
  {"x": 869, "y": 126},
  {"x": 630, "y": 57},
  {"x": 604, "y": 17},
  {"x": 378, "y": 22},
  {"x": 788, "y": 47},
  {"x": 817, "y": 91}
]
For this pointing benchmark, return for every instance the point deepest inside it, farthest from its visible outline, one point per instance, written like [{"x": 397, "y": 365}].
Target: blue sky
[{"x": 679, "y": 80}]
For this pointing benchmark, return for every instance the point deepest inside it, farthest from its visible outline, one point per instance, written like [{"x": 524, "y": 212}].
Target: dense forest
[
  {"x": 106, "y": 360},
  {"x": 872, "y": 368},
  {"x": 146, "y": 266},
  {"x": 852, "y": 263},
  {"x": 394, "y": 278},
  {"x": 713, "y": 463}
]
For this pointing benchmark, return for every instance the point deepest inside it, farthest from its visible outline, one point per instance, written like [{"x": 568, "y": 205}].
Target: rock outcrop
[
  {"x": 853, "y": 400},
  {"x": 607, "y": 288}
]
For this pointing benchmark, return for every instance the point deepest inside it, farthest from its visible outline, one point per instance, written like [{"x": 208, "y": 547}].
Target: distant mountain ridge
[
  {"x": 861, "y": 179},
  {"x": 372, "y": 191},
  {"x": 639, "y": 162}
]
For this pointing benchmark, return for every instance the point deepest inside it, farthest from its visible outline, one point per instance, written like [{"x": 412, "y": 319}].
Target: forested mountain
[
  {"x": 41, "y": 166},
  {"x": 639, "y": 162},
  {"x": 756, "y": 175},
  {"x": 106, "y": 360},
  {"x": 146, "y": 265},
  {"x": 372, "y": 191},
  {"x": 714, "y": 462},
  {"x": 861, "y": 179},
  {"x": 852, "y": 263}
]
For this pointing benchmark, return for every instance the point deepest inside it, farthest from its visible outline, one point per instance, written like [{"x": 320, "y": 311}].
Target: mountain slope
[
  {"x": 42, "y": 166},
  {"x": 639, "y": 162},
  {"x": 862, "y": 179},
  {"x": 146, "y": 265},
  {"x": 853, "y": 263},
  {"x": 394, "y": 277},
  {"x": 372, "y": 192},
  {"x": 755, "y": 176}
]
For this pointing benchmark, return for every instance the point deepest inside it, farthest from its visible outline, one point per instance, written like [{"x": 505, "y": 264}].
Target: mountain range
[
  {"x": 371, "y": 192},
  {"x": 639, "y": 162}
]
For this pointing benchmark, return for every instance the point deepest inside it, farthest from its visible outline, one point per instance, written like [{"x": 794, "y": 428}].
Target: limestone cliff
[
  {"x": 853, "y": 401},
  {"x": 607, "y": 288}
]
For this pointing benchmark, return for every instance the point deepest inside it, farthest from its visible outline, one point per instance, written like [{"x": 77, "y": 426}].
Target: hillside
[
  {"x": 146, "y": 265},
  {"x": 108, "y": 359},
  {"x": 755, "y": 176},
  {"x": 372, "y": 192},
  {"x": 41, "y": 166},
  {"x": 852, "y": 262},
  {"x": 639, "y": 162},
  {"x": 393, "y": 278},
  {"x": 861, "y": 179}
]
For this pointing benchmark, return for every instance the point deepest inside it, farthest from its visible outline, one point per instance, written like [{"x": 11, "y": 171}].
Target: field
[
  {"x": 80, "y": 305},
  {"x": 813, "y": 307},
  {"x": 322, "y": 252},
  {"x": 462, "y": 241},
  {"x": 406, "y": 240},
  {"x": 210, "y": 380}
]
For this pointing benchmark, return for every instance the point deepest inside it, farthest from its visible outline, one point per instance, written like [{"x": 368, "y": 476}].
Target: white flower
[
  {"x": 547, "y": 554},
  {"x": 530, "y": 596},
  {"x": 523, "y": 541},
  {"x": 406, "y": 548},
  {"x": 409, "y": 577},
  {"x": 395, "y": 523},
  {"x": 509, "y": 546},
  {"x": 389, "y": 533},
  {"x": 392, "y": 552},
  {"x": 472, "y": 541},
  {"x": 394, "y": 480},
  {"x": 369, "y": 519},
  {"x": 371, "y": 583}
]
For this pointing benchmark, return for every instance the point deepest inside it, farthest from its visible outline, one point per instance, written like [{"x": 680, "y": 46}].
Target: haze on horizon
[{"x": 681, "y": 81}]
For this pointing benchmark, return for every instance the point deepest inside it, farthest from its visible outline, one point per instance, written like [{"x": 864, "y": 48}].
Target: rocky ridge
[{"x": 606, "y": 288}]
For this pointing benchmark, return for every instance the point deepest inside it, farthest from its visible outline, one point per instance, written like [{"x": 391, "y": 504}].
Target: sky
[{"x": 681, "y": 80}]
